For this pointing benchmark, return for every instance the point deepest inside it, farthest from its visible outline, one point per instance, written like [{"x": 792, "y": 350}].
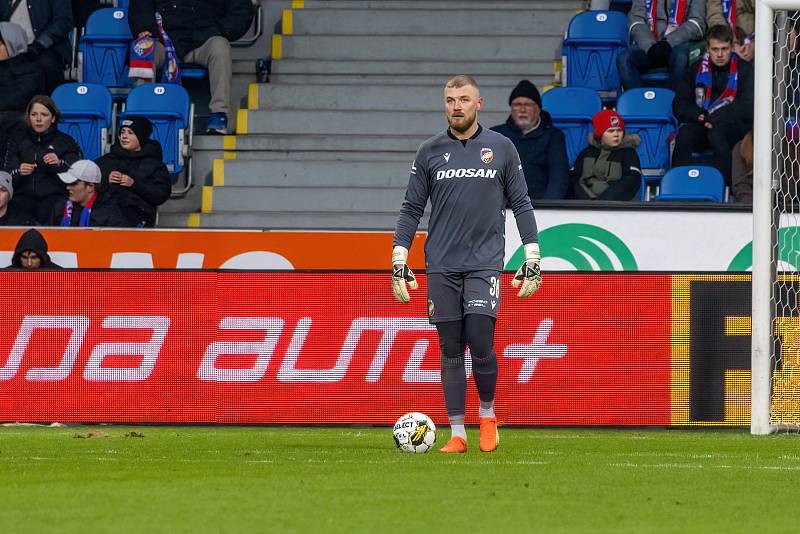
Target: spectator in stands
[
  {"x": 6, "y": 193},
  {"x": 715, "y": 103},
  {"x": 201, "y": 31},
  {"x": 8, "y": 215},
  {"x": 31, "y": 252},
  {"x": 742, "y": 165},
  {"x": 662, "y": 31},
  {"x": 609, "y": 168},
  {"x": 20, "y": 79},
  {"x": 139, "y": 180},
  {"x": 740, "y": 15},
  {"x": 35, "y": 156},
  {"x": 89, "y": 203},
  {"x": 541, "y": 146},
  {"x": 47, "y": 24}
]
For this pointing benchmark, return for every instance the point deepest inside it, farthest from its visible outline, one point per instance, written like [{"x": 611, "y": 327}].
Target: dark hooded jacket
[
  {"x": 105, "y": 213},
  {"x": 604, "y": 173},
  {"x": 190, "y": 23},
  {"x": 27, "y": 146},
  {"x": 32, "y": 240},
  {"x": 151, "y": 182},
  {"x": 20, "y": 78},
  {"x": 543, "y": 152},
  {"x": 14, "y": 217}
]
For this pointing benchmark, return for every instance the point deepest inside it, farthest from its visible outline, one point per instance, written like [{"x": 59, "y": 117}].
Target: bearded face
[{"x": 462, "y": 105}]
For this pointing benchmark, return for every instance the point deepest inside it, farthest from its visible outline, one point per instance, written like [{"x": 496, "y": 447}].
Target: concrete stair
[
  {"x": 361, "y": 122},
  {"x": 370, "y": 97},
  {"x": 354, "y": 88},
  {"x": 311, "y": 174},
  {"x": 524, "y": 19},
  {"x": 420, "y": 48}
]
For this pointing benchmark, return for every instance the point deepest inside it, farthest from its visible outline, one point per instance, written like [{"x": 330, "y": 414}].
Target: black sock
[
  {"x": 479, "y": 333},
  {"x": 454, "y": 376}
]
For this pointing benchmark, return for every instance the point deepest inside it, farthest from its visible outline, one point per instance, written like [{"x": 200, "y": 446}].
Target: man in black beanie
[{"x": 541, "y": 146}]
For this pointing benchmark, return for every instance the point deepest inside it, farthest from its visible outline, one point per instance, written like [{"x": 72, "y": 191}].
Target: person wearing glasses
[{"x": 541, "y": 146}]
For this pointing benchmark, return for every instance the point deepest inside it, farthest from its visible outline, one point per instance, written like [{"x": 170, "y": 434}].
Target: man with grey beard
[{"x": 541, "y": 146}]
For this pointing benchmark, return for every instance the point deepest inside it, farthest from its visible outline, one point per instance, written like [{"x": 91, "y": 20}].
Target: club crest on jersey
[{"x": 487, "y": 156}]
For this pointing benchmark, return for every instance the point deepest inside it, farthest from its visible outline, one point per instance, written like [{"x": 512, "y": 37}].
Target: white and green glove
[
  {"x": 529, "y": 273},
  {"x": 402, "y": 274}
]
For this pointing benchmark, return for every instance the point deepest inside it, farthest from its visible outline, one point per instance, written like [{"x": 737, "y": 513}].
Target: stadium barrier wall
[
  {"x": 335, "y": 347},
  {"x": 572, "y": 239}
]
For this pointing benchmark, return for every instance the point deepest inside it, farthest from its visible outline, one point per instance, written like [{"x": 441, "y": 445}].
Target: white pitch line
[
  {"x": 700, "y": 466},
  {"x": 660, "y": 466},
  {"x": 709, "y": 456}
]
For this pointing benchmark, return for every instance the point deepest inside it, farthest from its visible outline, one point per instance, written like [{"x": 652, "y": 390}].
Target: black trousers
[
  {"x": 53, "y": 66},
  {"x": 695, "y": 137}
]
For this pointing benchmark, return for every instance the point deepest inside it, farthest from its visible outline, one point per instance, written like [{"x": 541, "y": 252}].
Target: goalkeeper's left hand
[{"x": 529, "y": 273}]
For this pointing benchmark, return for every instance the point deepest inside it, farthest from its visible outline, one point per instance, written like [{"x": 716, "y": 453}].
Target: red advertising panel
[{"x": 245, "y": 347}]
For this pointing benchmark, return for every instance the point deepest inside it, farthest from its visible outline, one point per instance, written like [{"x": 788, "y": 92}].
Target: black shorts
[{"x": 451, "y": 296}]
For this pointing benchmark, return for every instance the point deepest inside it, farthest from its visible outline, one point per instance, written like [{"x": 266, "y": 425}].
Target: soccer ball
[{"x": 414, "y": 432}]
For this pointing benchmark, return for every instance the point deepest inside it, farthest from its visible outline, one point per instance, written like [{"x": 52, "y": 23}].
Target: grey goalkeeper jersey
[{"x": 469, "y": 187}]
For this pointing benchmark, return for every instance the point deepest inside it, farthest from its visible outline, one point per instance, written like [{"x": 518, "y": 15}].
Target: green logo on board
[
  {"x": 788, "y": 252},
  {"x": 584, "y": 246}
]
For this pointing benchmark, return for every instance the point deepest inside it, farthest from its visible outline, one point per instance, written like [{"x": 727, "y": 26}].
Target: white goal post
[{"x": 774, "y": 203}]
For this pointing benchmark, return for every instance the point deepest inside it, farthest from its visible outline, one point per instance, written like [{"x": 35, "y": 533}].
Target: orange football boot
[
  {"x": 456, "y": 445},
  {"x": 489, "y": 436}
]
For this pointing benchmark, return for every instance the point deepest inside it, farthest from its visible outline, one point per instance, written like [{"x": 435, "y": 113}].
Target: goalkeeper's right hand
[
  {"x": 402, "y": 274},
  {"x": 529, "y": 274}
]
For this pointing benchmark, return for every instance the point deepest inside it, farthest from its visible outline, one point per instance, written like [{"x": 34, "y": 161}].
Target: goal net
[{"x": 776, "y": 219}]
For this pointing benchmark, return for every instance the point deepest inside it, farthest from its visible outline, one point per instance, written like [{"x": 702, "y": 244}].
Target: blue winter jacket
[{"x": 544, "y": 157}]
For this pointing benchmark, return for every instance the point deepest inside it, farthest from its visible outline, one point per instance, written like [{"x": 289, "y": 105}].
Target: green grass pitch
[{"x": 274, "y": 479}]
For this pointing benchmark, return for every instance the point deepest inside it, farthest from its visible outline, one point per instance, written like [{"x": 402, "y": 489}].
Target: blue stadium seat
[
  {"x": 572, "y": 109},
  {"x": 123, "y": 4},
  {"x": 104, "y": 49},
  {"x": 87, "y": 114},
  {"x": 594, "y": 40},
  {"x": 693, "y": 184},
  {"x": 656, "y": 78},
  {"x": 169, "y": 109},
  {"x": 647, "y": 112},
  {"x": 193, "y": 71}
]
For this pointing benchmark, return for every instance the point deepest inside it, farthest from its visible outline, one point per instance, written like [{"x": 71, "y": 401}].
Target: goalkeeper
[{"x": 470, "y": 174}]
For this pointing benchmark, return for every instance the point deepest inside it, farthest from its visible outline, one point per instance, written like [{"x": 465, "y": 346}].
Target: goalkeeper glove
[
  {"x": 529, "y": 274},
  {"x": 402, "y": 274}
]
